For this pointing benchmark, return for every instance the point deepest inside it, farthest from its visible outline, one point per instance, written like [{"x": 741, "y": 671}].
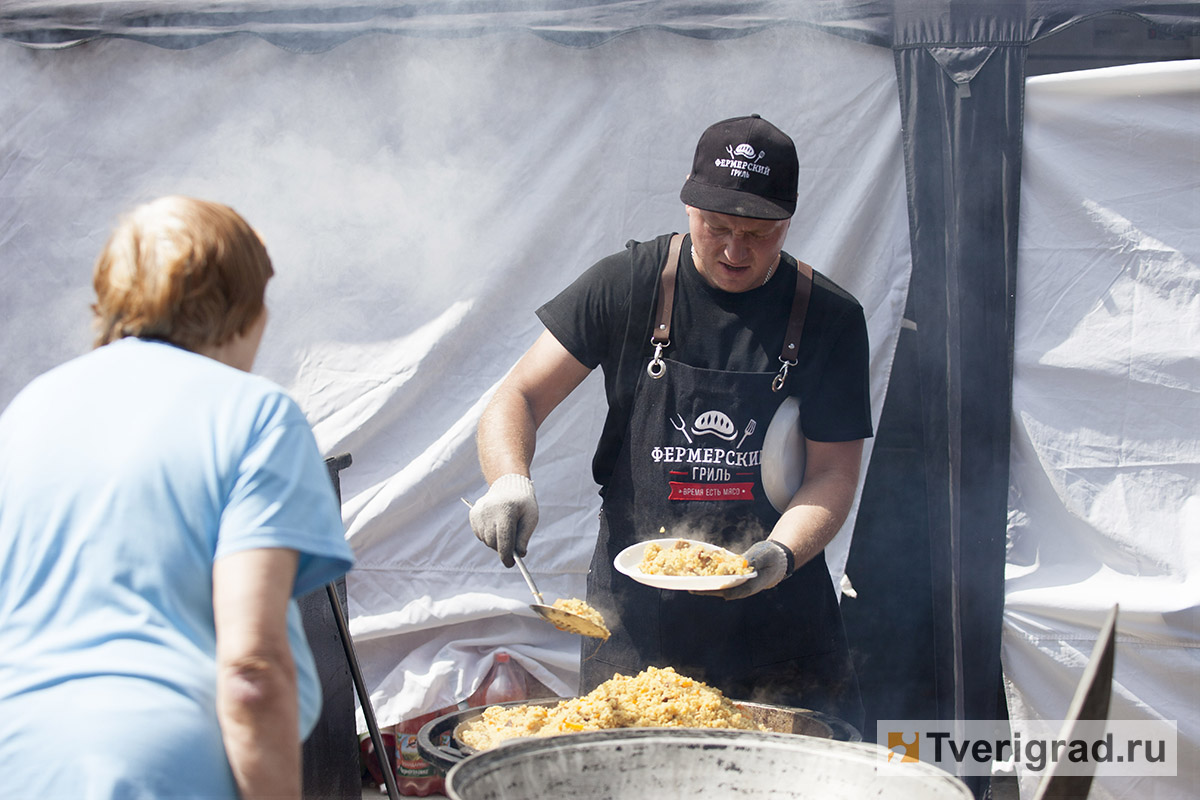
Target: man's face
[{"x": 735, "y": 254}]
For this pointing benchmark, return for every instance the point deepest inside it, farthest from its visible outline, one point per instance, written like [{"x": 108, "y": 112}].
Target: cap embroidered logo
[
  {"x": 745, "y": 167},
  {"x": 745, "y": 151}
]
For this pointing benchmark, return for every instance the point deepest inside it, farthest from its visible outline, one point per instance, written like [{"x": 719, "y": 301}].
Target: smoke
[
  {"x": 405, "y": 185},
  {"x": 737, "y": 536}
]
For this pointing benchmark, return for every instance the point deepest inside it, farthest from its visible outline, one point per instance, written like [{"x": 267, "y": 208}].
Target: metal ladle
[{"x": 560, "y": 618}]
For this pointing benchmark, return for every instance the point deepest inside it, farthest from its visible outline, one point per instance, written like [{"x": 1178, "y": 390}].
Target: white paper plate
[
  {"x": 783, "y": 455},
  {"x": 628, "y": 559}
]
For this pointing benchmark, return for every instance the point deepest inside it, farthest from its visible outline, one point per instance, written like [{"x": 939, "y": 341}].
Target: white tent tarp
[
  {"x": 420, "y": 198},
  {"x": 1105, "y": 478}
]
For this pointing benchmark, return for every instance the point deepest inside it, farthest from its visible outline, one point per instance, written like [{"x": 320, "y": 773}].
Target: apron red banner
[{"x": 711, "y": 491}]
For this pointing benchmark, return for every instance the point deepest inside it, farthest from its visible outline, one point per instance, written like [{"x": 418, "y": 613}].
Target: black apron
[{"x": 690, "y": 463}]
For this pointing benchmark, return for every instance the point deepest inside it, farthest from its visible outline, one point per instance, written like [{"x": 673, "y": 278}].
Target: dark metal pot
[
  {"x": 683, "y": 763},
  {"x": 439, "y": 744}
]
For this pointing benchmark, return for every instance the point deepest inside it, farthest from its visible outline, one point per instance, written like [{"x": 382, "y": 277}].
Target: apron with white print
[{"x": 690, "y": 464}]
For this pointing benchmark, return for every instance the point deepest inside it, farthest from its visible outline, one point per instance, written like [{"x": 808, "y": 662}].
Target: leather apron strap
[
  {"x": 661, "y": 337},
  {"x": 795, "y": 328},
  {"x": 666, "y": 293},
  {"x": 790, "y": 350}
]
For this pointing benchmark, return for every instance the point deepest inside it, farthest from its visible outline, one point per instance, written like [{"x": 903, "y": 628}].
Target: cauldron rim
[
  {"x": 519, "y": 753},
  {"x": 443, "y": 756}
]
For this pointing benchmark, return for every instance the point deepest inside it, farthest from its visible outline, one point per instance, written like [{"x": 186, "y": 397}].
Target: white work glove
[
  {"x": 505, "y": 517},
  {"x": 771, "y": 560}
]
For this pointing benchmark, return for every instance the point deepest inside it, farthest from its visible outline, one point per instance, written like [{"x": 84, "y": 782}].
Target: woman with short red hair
[{"x": 160, "y": 509}]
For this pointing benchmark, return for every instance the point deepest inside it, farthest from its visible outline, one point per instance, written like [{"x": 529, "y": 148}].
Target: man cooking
[{"x": 701, "y": 339}]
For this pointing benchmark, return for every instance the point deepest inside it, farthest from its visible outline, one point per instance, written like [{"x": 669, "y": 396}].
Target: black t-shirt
[{"x": 605, "y": 319}]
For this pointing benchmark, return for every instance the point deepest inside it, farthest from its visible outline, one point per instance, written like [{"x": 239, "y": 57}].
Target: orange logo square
[{"x": 898, "y": 746}]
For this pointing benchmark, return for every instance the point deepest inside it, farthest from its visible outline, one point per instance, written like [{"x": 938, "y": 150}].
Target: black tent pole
[
  {"x": 335, "y": 465},
  {"x": 364, "y": 698}
]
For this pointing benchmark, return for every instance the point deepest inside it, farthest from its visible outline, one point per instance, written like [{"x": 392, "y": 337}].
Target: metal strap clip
[
  {"x": 781, "y": 378},
  {"x": 657, "y": 367}
]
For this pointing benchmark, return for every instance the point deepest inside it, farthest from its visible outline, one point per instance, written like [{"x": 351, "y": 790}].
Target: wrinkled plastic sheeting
[
  {"x": 306, "y": 26},
  {"x": 1105, "y": 475},
  {"x": 419, "y": 201}
]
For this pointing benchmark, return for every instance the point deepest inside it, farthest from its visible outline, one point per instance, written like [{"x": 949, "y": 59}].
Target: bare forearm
[
  {"x": 822, "y": 503},
  {"x": 507, "y": 435},
  {"x": 257, "y": 710},
  {"x": 539, "y": 381},
  {"x": 806, "y": 528}
]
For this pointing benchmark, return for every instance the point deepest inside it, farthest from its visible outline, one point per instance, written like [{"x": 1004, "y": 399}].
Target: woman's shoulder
[{"x": 229, "y": 394}]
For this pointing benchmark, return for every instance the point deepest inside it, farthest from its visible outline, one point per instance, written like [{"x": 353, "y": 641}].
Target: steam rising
[
  {"x": 700, "y": 527},
  {"x": 411, "y": 186}
]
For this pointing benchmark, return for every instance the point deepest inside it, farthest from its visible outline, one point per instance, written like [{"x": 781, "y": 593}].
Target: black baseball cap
[{"x": 746, "y": 167}]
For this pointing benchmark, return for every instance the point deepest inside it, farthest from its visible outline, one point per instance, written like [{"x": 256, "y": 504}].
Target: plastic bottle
[
  {"x": 505, "y": 681},
  {"x": 371, "y": 761},
  {"x": 416, "y": 777}
]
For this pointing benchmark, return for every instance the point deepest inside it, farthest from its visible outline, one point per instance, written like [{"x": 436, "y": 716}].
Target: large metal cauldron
[
  {"x": 683, "y": 764},
  {"x": 438, "y": 741}
]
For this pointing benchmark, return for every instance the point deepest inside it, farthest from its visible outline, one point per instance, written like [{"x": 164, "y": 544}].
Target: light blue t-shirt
[{"x": 123, "y": 475}]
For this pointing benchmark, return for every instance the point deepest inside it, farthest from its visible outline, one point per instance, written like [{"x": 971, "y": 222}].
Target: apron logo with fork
[
  {"x": 702, "y": 472},
  {"x": 713, "y": 423}
]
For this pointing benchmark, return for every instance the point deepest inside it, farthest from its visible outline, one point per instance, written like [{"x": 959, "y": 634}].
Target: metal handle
[{"x": 528, "y": 579}]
